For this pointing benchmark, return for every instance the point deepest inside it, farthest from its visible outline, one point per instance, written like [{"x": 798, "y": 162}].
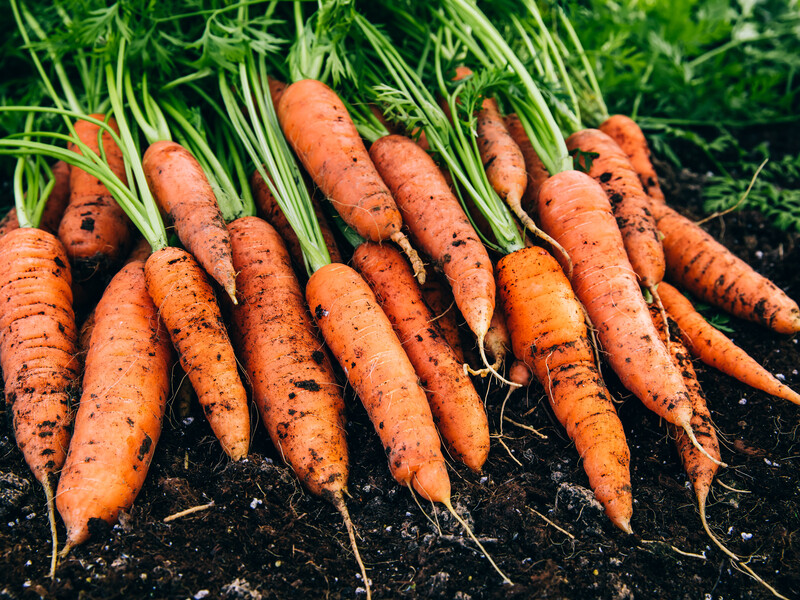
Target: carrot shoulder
[
  {"x": 361, "y": 338},
  {"x": 182, "y": 191},
  {"x": 574, "y": 209},
  {"x": 94, "y": 229},
  {"x": 438, "y": 224},
  {"x": 630, "y": 138},
  {"x": 186, "y": 303},
  {"x": 457, "y": 408},
  {"x": 715, "y": 348},
  {"x": 548, "y": 333},
  {"x": 125, "y": 391},
  {"x": 293, "y": 383},
  {"x": 707, "y": 269}
]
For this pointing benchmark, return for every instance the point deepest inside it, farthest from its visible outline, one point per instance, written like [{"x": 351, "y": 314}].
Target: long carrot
[
  {"x": 94, "y": 229},
  {"x": 439, "y": 225},
  {"x": 53, "y": 210},
  {"x": 627, "y": 133},
  {"x": 715, "y": 348},
  {"x": 316, "y": 124},
  {"x": 704, "y": 267},
  {"x": 457, "y": 408},
  {"x": 534, "y": 167},
  {"x": 548, "y": 333},
  {"x": 125, "y": 391}
]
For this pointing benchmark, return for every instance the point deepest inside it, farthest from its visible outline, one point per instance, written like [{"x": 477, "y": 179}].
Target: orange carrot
[
  {"x": 612, "y": 169},
  {"x": 182, "y": 190},
  {"x": 715, "y": 349},
  {"x": 457, "y": 408},
  {"x": 186, "y": 303},
  {"x": 318, "y": 127},
  {"x": 498, "y": 339},
  {"x": 574, "y": 209},
  {"x": 704, "y": 267},
  {"x": 520, "y": 373},
  {"x": 268, "y": 208},
  {"x": 548, "y": 333},
  {"x": 293, "y": 383},
  {"x": 439, "y": 299},
  {"x": 94, "y": 229},
  {"x": 54, "y": 209},
  {"x": 536, "y": 172},
  {"x": 125, "y": 391},
  {"x": 439, "y": 224},
  {"x": 630, "y": 138}
]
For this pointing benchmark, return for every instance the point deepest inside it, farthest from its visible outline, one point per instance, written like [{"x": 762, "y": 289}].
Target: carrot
[
  {"x": 38, "y": 352},
  {"x": 574, "y": 209},
  {"x": 612, "y": 169},
  {"x": 182, "y": 191},
  {"x": 269, "y": 210},
  {"x": 316, "y": 124},
  {"x": 548, "y": 333},
  {"x": 276, "y": 89},
  {"x": 630, "y": 138},
  {"x": 438, "y": 223},
  {"x": 457, "y": 408},
  {"x": 715, "y": 349},
  {"x": 520, "y": 373},
  {"x": 704, "y": 267},
  {"x": 293, "y": 383},
  {"x": 498, "y": 339},
  {"x": 439, "y": 299},
  {"x": 535, "y": 170},
  {"x": 125, "y": 391},
  {"x": 54, "y": 209},
  {"x": 94, "y": 229},
  {"x": 186, "y": 303}
]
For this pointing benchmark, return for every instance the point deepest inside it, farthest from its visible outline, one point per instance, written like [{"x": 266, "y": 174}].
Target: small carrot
[
  {"x": 53, "y": 210},
  {"x": 629, "y": 136},
  {"x": 548, "y": 333},
  {"x": 125, "y": 391},
  {"x": 457, "y": 408},
  {"x": 707, "y": 269},
  {"x": 317, "y": 125},
  {"x": 439, "y": 225},
  {"x": 535, "y": 170},
  {"x": 94, "y": 229},
  {"x": 293, "y": 383},
  {"x": 715, "y": 349}
]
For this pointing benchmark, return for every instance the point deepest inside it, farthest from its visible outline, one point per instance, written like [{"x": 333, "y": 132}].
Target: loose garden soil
[{"x": 265, "y": 537}]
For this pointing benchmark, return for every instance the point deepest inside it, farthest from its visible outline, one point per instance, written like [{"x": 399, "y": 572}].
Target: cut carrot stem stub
[
  {"x": 293, "y": 383},
  {"x": 711, "y": 272},
  {"x": 125, "y": 391},
  {"x": 549, "y": 334},
  {"x": 182, "y": 190},
  {"x": 629, "y": 136},
  {"x": 186, "y": 303},
  {"x": 360, "y": 336},
  {"x": 715, "y": 349},
  {"x": 457, "y": 408},
  {"x": 94, "y": 229}
]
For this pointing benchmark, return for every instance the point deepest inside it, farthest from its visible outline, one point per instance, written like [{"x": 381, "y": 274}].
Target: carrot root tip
[{"x": 401, "y": 240}]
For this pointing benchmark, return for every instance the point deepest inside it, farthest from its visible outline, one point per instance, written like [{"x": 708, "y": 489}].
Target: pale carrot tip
[
  {"x": 624, "y": 524},
  {"x": 231, "y": 290}
]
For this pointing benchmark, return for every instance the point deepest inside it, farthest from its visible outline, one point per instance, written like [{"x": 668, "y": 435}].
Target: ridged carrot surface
[
  {"x": 125, "y": 390},
  {"x": 293, "y": 383}
]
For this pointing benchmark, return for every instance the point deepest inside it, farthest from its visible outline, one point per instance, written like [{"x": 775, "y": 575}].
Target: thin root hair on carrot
[
  {"x": 51, "y": 517},
  {"x": 339, "y": 504},
  {"x": 433, "y": 520}
]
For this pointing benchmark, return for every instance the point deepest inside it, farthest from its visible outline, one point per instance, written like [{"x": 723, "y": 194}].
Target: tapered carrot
[
  {"x": 630, "y": 138},
  {"x": 53, "y": 210},
  {"x": 317, "y": 125},
  {"x": 613, "y": 170},
  {"x": 94, "y": 229},
  {"x": 186, "y": 303},
  {"x": 704, "y": 267},
  {"x": 125, "y": 391},
  {"x": 182, "y": 191},
  {"x": 715, "y": 348},
  {"x": 439, "y": 225},
  {"x": 498, "y": 339},
  {"x": 535, "y": 170},
  {"x": 548, "y": 333},
  {"x": 457, "y": 408},
  {"x": 293, "y": 383},
  {"x": 439, "y": 299}
]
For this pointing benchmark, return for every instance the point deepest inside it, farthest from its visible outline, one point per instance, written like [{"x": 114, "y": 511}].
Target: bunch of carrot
[{"x": 606, "y": 223}]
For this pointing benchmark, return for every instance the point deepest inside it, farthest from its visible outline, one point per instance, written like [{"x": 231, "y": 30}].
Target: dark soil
[{"x": 265, "y": 537}]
